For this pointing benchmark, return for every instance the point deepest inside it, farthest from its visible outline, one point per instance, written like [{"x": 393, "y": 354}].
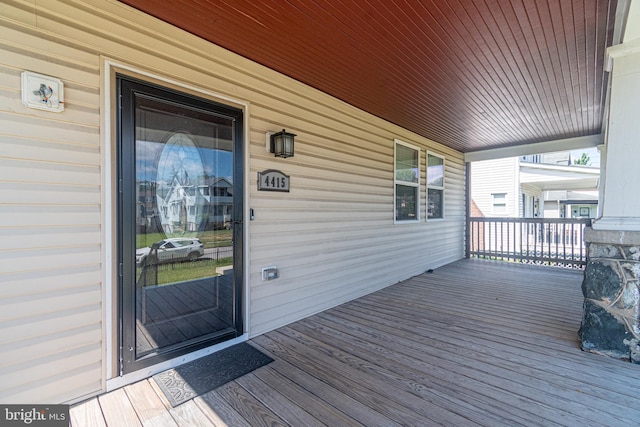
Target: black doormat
[{"x": 202, "y": 375}]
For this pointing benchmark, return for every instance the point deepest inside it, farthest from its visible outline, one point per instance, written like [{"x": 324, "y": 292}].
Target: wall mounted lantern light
[{"x": 281, "y": 144}]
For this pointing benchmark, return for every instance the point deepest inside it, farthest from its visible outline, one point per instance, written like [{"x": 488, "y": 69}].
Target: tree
[{"x": 584, "y": 160}]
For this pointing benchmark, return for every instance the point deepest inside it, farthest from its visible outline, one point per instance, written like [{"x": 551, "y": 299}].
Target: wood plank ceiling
[{"x": 470, "y": 74}]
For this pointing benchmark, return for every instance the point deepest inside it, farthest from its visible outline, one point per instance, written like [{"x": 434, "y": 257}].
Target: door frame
[{"x": 112, "y": 378}]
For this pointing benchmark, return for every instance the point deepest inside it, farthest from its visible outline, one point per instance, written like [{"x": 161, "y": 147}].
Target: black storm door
[{"x": 180, "y": 230}]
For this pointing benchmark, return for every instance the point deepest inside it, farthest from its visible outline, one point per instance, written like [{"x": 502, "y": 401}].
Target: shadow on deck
[{"x": 473, "y": 343}]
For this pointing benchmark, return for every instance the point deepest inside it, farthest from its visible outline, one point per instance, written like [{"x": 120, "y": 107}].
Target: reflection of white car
[{"x": 170, "y": 250}]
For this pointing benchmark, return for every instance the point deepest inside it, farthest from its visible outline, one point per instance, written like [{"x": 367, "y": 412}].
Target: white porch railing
[{"x": 545, "y": 241}]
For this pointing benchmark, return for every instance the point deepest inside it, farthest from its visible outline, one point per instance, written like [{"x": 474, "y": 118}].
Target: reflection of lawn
[
  {"x": 210, "y": 239},
  {"x": 183, "y": 271}
]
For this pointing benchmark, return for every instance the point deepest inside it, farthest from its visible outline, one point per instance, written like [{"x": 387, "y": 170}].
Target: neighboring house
[
  {"x": 189, "y": 206},
  {"x": 535, "y": 186},
  {"x": 495, "y": 189}
]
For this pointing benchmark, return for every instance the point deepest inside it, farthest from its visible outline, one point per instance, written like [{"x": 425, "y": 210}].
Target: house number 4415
[{"x": 273, "y": 180}]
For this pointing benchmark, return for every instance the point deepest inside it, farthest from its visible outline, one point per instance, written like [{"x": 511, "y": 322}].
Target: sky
[
  {"x": 593, "y": 153},
  {"x": 155, "y": 160}
]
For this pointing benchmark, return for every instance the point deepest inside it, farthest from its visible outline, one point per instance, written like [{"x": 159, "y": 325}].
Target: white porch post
[
  {"x": 611, "y": 286},
  {"x": 621, "y": 199}
]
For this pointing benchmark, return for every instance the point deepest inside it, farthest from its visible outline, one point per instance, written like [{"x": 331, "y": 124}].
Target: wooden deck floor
[{"x": 473, "y": 343}]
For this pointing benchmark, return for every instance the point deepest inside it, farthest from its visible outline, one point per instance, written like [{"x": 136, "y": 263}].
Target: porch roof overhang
[
  {"x": 473, "y": 75},
  {"x": 559, "y": 177}
]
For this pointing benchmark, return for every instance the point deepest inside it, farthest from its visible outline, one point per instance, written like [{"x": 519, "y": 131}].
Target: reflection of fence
[
  {"x": 529, "y": 240},
  {"x": 149, "y": 273},
  {"x": 219, "y": 253},
  {"x": 207, "y": 260}
]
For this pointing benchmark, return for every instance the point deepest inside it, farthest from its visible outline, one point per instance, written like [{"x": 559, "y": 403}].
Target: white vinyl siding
[
  {"x": 332, "y": 237},
  {"x": 51, "y": 272},
  {"x": 496, "y": 176}
]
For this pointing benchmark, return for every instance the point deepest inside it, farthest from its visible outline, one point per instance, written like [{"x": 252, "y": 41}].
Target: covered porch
[
  {"x": 472, "y": 343},
  {"x": 390, "y": 103}
]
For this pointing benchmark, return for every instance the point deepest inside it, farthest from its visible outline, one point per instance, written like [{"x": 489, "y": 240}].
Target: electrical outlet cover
[
  {"x": 270, "y": 273},
  {"x": 53, "y": 98}
]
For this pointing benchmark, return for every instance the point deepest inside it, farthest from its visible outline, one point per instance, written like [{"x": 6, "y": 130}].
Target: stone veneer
[{"x": 611, "y": 289}]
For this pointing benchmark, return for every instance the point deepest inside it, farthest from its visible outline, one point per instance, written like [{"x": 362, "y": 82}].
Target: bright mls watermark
[{"x": 34, "y": 415}]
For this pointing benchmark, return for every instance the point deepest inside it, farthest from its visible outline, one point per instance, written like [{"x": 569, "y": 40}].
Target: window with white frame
[
  {"x": 499, "y": 201},
  {"x": 407, "y": 182},
  {"x": 435, "y": 186}
]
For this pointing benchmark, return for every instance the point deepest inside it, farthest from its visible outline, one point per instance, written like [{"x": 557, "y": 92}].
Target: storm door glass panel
[
  {"x": 183, "y": 289},
  {"x": 183, "y": 234}
]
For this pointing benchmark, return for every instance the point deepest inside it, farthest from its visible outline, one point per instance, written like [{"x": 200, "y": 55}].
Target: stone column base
[{"x": 611, "y": 289}]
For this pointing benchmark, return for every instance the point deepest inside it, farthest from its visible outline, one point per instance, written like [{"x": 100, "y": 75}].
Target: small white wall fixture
[{"x": 42, "y": 92}]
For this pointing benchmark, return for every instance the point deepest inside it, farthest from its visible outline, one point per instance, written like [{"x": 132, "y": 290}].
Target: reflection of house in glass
[{"x": 181, "y": 207}]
